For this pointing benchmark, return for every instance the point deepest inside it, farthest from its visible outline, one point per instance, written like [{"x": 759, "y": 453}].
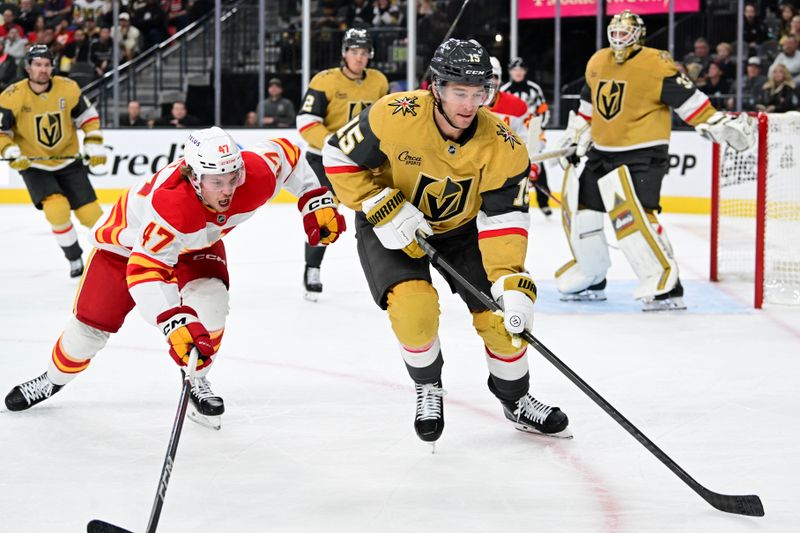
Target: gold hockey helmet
[{"x": 626, "y": 33}]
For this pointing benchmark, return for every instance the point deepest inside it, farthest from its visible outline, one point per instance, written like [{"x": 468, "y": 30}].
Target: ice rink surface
[{"x": 318, "y": 435}]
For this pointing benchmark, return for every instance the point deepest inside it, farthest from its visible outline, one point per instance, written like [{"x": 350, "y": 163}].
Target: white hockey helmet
[
  {"x": 211, "y": 151},
  {"x": 497, "y": 70}
]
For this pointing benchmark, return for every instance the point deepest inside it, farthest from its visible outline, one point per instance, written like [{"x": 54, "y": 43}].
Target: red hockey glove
[
  {"x": 321, "y": 220},
  {"x": 183, "y": 330},
  {"x": 533, "y": 175}
]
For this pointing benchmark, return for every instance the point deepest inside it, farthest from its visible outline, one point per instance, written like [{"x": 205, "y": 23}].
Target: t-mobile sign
[{"x": 539, "y": 9}]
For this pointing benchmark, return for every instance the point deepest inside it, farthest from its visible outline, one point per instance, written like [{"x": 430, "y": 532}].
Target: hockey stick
[
  {"x": 744, "y": 505},
  {"x": 49, "y": 158},
  {"x": 544, "y": 156},
  {"x": 98, "y": 526},
  {"x": 448, "y": 34}
]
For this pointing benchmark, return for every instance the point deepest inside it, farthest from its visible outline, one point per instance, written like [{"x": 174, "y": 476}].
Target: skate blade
[
  {"x": 211, "y": 422},
  {"x": 670, "y": 304},
  {"x": 311, "y": 296},
  {"x": 563, "y": 434},
  {"x": 585, "y": 296}
]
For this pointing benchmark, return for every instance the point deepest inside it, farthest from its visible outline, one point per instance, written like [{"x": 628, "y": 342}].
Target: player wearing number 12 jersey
[{"x": 160, "y": 249}]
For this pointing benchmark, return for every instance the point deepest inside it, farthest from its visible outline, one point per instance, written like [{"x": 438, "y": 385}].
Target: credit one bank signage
[{"x": 546, "y": 9}]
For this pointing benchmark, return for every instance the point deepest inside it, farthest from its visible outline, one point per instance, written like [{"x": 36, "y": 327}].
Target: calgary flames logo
[
  {"x": 441, "y": 199},
  {"x": 608, "y": 99},
  {"x": 405, "y": 105}
]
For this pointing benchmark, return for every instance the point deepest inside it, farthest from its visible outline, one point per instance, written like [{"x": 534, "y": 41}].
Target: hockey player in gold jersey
[
  {"x": 623, "y": 125},
  {"x": 334, "y": 96},
  {"x": 438, "y": 162},
  {"x": 39, "y": 118}
]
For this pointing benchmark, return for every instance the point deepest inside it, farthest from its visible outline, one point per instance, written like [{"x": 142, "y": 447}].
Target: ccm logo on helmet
[{"x": 319, "y": 202}]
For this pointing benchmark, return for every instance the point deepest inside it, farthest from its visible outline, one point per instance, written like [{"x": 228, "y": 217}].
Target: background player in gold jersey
[
  {"x": 334, "y": 96},
  {"x": 39, "y": 118},
  {"x": 625, "y": 112},
  {"x": 437, "y": 162}
]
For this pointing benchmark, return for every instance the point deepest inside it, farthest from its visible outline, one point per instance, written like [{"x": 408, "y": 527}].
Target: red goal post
[{"x": 755, "y": 211}]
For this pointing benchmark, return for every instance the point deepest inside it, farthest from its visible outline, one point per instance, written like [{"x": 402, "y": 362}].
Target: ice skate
[
  {"x": 530, "y": 415},
  {"x": 429, "y": 418},
  {"x": 205, "y": 407},
  {"x": 28, "y": 394},
  {"x": 670, "y": 301},
  {"x": 546, "y": 211},
  {"x": 312, "y": 283},
  {"x": 76, "y": 268},
  {"x": 594, "y": 293}
]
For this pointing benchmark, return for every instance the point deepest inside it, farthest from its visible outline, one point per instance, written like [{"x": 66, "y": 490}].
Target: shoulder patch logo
[
  {"x": 405, "y": 105},
  {"x": 441, "y": 199},
  {"x": 609, "y": 97},
  {"x": 508, "y": 135}
]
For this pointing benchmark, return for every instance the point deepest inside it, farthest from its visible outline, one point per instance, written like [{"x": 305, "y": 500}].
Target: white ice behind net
[{"x": 737, "y": 212}]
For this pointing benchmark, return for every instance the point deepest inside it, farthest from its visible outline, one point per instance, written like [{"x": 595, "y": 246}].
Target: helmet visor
[
  {"x": 223, "y": 182},
  {"x": 460, "y": 94}
]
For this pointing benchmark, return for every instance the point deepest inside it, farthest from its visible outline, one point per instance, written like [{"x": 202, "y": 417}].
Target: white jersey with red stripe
[{"x": 162, "y": 217}]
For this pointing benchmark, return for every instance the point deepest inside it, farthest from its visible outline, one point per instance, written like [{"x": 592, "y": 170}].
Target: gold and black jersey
[
  {"x": 45, "y": 125},
  {"x": 629, "y": 103},
  {"x": 332, "y": 99},
  {"x": 397, "y": 144}
]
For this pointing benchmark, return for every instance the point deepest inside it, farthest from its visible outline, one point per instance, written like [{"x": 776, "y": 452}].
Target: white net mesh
[{"x": 738, "y": 191}]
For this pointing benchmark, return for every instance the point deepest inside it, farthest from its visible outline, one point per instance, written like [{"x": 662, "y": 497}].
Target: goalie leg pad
[
  {"x": 413, "y": 309},
  {"x": 590, "y": 259},
  {"x": 74, "y": 350},
  {"x": 645, "y": 250}
]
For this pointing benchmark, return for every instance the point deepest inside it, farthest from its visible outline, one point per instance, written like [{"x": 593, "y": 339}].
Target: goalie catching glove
[
  {"x": 516, "y": 294},
  {"x": 16, "y": 160},
  {"x": 183, "y": 330},
  {"x": 321, "y": 220},
  {"x": 578, "y": 135},
  {"x": 94, "y": 150},
  {"x": 738, "y": 133},
  {"x": 396, "y": 221}
]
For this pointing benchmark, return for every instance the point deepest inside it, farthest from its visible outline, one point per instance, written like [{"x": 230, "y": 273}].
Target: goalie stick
[
  {"x": 749, "y": 505},
  {"x": 98, "y": 526}
]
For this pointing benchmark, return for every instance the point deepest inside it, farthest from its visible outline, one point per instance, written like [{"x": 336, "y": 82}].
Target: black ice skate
[
  {"x": 669, "y": 301},
  {"x": 30, "y": 393},
  {"x": 531, "y": 415},
  {"x": 594, "y": 293},
  {"x": 546, "y": 211},
  {"x": 429, "y": 419},
  {"x": 76, "y": 268},
  {"x": 312, "y": 283},
  {"x": 205, "y": 407}
]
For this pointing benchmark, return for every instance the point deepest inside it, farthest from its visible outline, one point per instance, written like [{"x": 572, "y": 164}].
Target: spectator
[
  {"x": 700, "y": 56},
  {"x": 100, "y": 51},
  {"x": 8, "y": 67},
  {"x": 752, "y": 87},
  {"x": 56, "y": 10},
  {"x": 386, "y": 14},
  {"x": 251, "y": 120},
  {"x": 755, "y": 32},
  {"x": 358, "y": 14},
  {"x": 177, "y": 13},
  {"x": 152, "y": 22},
  {"x": 9, "y": 21},
  {"x": 787, "y": 13},
  {"x": 26, "y": 16},
  {"x": 789, "y": 57},
  {"x": 716, "y": 86},
  {"x": 84, "y": 10},
  {"x": 179, "y": 117},
  {"x": 128, "y": 35},
  {"x": 725, "y": 61},
  {"x": 780, "y": 93},
  {"x": 326, "y": 27},
  {"x": 78, "y": 49},
  {"x": 133, "y": 118},
  {"x": 15, "y": 45},
  {"x": 39, "y": 25},
  {"x": 794, "y": 26},
  {"x": 278, "y": 111}
]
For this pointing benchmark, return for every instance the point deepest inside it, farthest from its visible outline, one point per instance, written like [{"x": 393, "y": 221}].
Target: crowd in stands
[
  {"x": 771, "y": 80},
  {"x": 81, "y": 33}
]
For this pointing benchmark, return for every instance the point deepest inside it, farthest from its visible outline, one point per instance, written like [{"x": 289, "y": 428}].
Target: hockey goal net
[{"x": 755, "y": 211}]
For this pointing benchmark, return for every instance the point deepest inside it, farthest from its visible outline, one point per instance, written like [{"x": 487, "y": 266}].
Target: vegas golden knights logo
[
  {"x": 48, "y": 129},
  {"x": 441, "y": 199},
  {"x": 608, "y": 99}
]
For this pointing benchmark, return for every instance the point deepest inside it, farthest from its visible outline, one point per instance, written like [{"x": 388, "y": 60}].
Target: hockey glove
[
  {"x": 396, "y": 221},
  {"x": 17, "y": 161},
  {"x": 94, "y": 150},
  {"x": 738, "y": 133},
  {"x": 321, "y": 220},
  {"x": 183, "y": 330},
  {"x": 516, "y": 294},
  {"x": 578, "y": 135}
]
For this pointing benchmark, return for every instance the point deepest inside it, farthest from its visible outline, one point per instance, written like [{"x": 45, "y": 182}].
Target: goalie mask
[
  {"x": 626, "y": 34},
  {"x": 461, "y": 62},
  {"x": 213, "y": 155}
]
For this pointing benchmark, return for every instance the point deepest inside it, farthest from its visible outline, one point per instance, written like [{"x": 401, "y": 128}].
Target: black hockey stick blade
[
  {"x": 98, "y": 526},
  {"x": 743, "y": 505}
]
